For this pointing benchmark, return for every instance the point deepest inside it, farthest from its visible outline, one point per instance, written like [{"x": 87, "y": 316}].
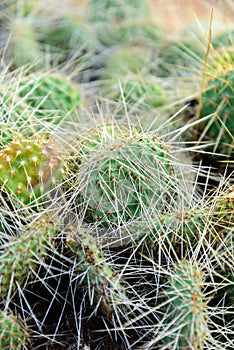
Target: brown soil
[{"x": 175, "y": 15}]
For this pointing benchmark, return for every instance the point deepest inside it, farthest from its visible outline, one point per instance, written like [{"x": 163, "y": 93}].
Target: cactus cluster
[
  {"x": 51, "y": 93},
  {"x": 116, "y": 180}
]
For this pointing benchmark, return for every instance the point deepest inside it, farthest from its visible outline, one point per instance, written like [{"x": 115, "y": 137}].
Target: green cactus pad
[
  {"x": 218, "y": 98},
  {"x": 95, "y": 273},
  {"x": 185, "y": 318},
  {"x": 50, "y": 94},
  {"x": 21, "y": 24},
  {"x": 28, "y": 168},
  {"x": 175, "y": 228},
  {"x": 178, "y": 229},
  {"x": 187, "y": 227},
  {"x": 39, "y": 98},
  {"x": 116, "y": 179},
  {"x": 13, "y": 334},
  {"x": 23, "y": 254}
]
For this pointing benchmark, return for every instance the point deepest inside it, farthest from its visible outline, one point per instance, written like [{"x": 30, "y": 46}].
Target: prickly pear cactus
[
  {"x": 96, "y": 273},
  {"x": 116, "y": 178},
  {"x": 185, "y": 318},
  {"x": 124, "y": 79},
  {"x": 181, "y": 229},
  {"x": 29, "y": 168},
  {"x": 41, "y": 98},
  {"x": 23, "y": 27},
  {"x": 175, "y": 228},
  {"x": 51, "y": 96},
  {"x": 218, "y": 98},
  {"x": 23, "y": 254},
  {"x": 13, "y": 334}
]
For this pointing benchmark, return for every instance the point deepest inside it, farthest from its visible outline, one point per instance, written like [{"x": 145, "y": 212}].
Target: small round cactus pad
[
  {"x": 119, "y": 178},
  {"x": 28, "y": 168}
]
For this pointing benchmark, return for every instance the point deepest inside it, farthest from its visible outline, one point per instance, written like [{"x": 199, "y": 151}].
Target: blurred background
[{"x": 175, "y": 15}]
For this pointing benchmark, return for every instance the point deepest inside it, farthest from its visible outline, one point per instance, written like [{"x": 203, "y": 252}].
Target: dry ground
[{"x": 175, "y": 15}]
